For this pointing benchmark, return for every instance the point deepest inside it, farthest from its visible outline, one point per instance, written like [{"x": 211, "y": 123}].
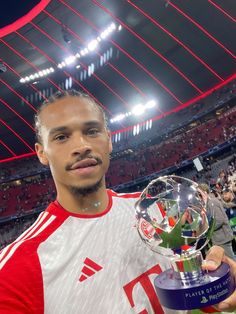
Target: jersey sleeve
[{"x": 21, "y": 284}]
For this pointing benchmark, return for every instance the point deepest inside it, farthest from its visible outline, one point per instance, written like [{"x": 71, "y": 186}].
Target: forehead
[{"x": 70, "y": 109}]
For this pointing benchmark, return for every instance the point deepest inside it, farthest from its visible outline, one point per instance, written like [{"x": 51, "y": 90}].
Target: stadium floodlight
[
  {"x": 117, "y": 118},
  {"x": 138, "y": 110},
  {"x": 105, "y": 33},
  {"x": 113, "y": 26},
  {"x": 92, "y": 45},
  {"x": 40, "y": 74},
  {"x": 69, "y": 60},
  {"x": 150, "y": 104},
  {"x": 83, "y": 52},
  {"x": 120, "y": 117},
  {"x": 128, "y": 114}
]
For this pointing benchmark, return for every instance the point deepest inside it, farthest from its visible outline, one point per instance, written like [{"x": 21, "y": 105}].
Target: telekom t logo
[{"x": 147, "y": 286}]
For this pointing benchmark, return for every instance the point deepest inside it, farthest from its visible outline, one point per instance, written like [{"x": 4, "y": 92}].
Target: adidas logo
[{"x": 89, "y": 269}]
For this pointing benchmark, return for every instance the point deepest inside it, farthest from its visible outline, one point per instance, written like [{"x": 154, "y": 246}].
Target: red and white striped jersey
[{"x": 71, "y": 263}]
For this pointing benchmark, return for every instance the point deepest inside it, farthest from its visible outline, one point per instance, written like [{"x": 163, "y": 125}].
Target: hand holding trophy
[{"x": 172, "y": 220}]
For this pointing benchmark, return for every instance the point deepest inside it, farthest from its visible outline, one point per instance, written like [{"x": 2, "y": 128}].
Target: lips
[{"x": 85, "y": 163}]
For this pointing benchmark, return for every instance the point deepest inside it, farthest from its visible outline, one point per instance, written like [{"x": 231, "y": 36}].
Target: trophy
[{"x": 172, "y": 220}]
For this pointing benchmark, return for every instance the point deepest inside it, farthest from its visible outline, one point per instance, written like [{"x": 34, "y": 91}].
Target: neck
[{"x": 89, "y": 204}]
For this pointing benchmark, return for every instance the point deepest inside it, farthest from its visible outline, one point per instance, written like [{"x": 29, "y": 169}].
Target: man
[
  {"x": 83, "y": 254},
  {"x": 229, "y": 203},
  {"x": 222, "y": 234}
]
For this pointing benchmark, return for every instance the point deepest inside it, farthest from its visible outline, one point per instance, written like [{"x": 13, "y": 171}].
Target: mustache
[{"x": 81, "y": 158}]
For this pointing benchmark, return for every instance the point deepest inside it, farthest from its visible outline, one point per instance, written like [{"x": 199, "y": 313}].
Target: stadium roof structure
[{"x": 121, "y": 52}]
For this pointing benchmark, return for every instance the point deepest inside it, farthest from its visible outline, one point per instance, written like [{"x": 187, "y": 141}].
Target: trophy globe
[{"x": 173, "y": 220}]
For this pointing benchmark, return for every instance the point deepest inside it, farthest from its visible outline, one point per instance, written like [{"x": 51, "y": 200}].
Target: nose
[{"x": 80, "y": 146}]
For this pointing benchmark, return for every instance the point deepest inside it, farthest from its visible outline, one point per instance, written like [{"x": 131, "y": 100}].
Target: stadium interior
[{"x": 163, "y": 71}]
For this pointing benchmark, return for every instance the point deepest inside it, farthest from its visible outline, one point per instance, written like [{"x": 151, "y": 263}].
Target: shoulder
[
  {"x": 24, "y": 248},
  {"x": 213, "y": 201}
]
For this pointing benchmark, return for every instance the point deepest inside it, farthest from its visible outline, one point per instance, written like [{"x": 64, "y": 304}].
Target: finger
[
  {"x": 214, "y": 258},
  {"x": 232, "y": 265},
  {"x": 229, "y": 304}
]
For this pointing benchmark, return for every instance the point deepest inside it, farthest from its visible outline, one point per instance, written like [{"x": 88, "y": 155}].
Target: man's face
[
  {"x": 75, "y": 143},
  {"x": 227, "y": 196}
]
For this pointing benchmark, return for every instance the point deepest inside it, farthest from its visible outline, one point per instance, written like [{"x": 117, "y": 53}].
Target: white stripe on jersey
[
  {"x": 38, "y": 221},
  {"x": 28, "y": 234},
  {"x": 28, "y": 231},
  {"x": 126, "y": 195}
]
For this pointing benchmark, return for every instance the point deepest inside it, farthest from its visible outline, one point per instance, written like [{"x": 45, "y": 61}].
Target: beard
[{"x": 86, "y": 190}]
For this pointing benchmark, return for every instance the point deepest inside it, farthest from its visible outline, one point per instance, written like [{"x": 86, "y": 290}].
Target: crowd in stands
[
  {"x": 26, "y": 195},
  {"x": 186, "y": 145}
]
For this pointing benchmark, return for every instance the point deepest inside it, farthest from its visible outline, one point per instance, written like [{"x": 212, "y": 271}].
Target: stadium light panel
[
  {"x": 138, "y": 110},
  {"x": 92, "y": 45},
  {"x": 69, "y": 60},
  {"x": 150, "y": 104}
]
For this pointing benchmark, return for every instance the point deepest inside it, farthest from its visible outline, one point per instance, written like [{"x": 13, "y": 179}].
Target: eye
[
  {"x": 93, "y": 132},
  {"x": 60, "y": 137}
]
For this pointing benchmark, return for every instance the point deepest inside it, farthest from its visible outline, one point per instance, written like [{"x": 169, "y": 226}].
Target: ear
[{"x": 41, "y": 154}]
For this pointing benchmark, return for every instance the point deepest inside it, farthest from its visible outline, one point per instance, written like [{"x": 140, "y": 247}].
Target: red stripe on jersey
[{"x": 92, "y": 264}]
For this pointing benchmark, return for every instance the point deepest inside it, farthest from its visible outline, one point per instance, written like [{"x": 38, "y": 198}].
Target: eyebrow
[
  {"x": 58, "y": 129},
  {"x": 65, "y": 128}
]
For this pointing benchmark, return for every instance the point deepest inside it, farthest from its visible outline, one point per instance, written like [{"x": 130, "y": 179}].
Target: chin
[{"x": 86, "y": 189}]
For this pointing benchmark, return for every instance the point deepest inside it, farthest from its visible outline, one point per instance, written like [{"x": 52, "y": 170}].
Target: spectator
[{"x": 222, "y": 234}]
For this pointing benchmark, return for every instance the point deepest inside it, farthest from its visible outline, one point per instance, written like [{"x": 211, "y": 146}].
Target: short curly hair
[{"x": 60, "y": 95}]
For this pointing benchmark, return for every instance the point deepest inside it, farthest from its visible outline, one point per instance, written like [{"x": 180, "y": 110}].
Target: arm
[{"x": 218, "y": 211}]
